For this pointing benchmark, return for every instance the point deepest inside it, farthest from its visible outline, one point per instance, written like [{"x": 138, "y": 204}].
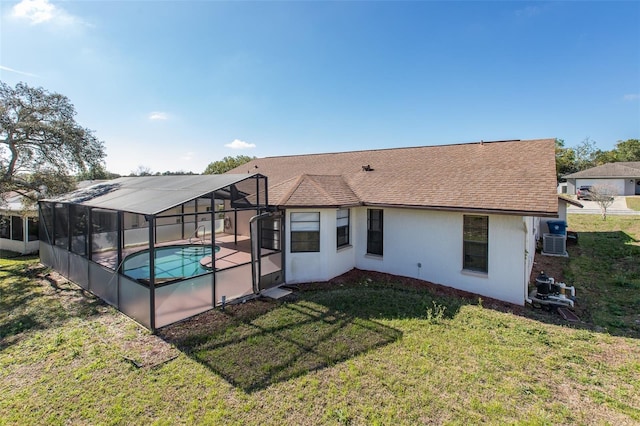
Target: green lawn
[
  {"x": 633, "y": 203},
  {"x": 365, "y": 352},
  {"x": 606, "y": 267}
]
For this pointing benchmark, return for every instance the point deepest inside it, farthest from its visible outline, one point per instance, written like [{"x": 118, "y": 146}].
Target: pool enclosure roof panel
[{"x": 149, "y": 194}]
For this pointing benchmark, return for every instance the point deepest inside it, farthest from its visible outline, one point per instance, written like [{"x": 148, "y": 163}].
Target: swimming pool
[{"x": 171, "y": 262}]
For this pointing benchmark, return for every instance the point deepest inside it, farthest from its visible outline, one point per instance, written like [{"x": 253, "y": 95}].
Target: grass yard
[
  {"x": 364, "y": 352},
  {"x": 605, "y": 267},
  {"x": 633, "y": 202}
]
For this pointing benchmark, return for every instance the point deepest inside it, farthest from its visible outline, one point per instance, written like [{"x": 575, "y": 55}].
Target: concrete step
[{"x": 275, "y": 292}]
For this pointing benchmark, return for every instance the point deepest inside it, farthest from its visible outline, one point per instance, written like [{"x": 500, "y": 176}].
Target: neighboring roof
[
  {"x": 626, "y": 169},
  {"x": 566, "y": 199},
  {"x": 15, "y": 201},
  {"x": 149, "y": 194},
  {"x": 510, "y": 177}
]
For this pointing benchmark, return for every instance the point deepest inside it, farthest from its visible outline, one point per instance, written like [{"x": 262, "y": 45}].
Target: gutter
[{"x": 429, "y": 208}]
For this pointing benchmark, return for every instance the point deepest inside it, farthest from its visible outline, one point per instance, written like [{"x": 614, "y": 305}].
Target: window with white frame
[
  {"x": 305, "y": 232},
  {"x": 476, "y": 243},
  {"x": 342, "y": 227}
]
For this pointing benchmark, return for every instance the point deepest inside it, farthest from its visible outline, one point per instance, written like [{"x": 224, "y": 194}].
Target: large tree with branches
[{"x": 42, "y": 147}]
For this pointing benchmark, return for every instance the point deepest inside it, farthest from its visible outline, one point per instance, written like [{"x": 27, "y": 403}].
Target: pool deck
[{"x": 230, "y": 254}]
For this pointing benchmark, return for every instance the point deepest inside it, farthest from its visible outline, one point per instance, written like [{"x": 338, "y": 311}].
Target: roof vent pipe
[{"x": 367, "y": 168}]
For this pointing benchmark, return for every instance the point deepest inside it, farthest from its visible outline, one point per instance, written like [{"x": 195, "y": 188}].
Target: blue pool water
[{"x": 170, "y": 262}]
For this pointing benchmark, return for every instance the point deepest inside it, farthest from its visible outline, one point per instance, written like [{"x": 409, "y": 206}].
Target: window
[
  {"x": 32, "y": 223},
  {"x": 476, "y": 243},
  {"x": 342, "y": 225},
  {"x": 12, "y": 228},
  {"x": 17, "y": 231},
  {"x": 5, "y": 227},
  {"x": 270, "y": 233},
  {"x": 374, "y": 231},
  {"x": 305, "y": 232}
]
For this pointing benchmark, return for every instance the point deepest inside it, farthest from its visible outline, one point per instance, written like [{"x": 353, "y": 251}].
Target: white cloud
[
  {"x": 157, "y": 115},
  {"x": 37, "y": 11},
  {"x": 41, "y": 11},
  {"x": 28, "y": 74},
  {"x": 631, "y": 97},
  {"x": 238, "y": 144}
]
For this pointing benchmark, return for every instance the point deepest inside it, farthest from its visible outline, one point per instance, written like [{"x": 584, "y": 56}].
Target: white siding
[{"x": 426, "y": 245}]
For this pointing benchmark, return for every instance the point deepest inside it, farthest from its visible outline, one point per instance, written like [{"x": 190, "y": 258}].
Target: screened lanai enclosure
[{"x": 165, "y": 248}]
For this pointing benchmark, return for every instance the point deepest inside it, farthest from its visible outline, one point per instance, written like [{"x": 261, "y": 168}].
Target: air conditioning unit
[{"x": 554, "y": 244}]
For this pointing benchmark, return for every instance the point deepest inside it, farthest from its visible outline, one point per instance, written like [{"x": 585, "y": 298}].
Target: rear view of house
[
  {"x": 464, "y": 216},
  {"x": 163, "y": 248}
]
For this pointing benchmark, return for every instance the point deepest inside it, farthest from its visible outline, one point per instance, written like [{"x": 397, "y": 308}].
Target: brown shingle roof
[
  {"x": 627, "y": 169},
  {"x": 511, "y": 177},
  {"x": 319, "y": 190}
]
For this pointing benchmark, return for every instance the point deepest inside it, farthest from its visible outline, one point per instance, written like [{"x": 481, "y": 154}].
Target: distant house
[
  {"x": 18, "y": 225},
  {"x": 623, "y": 176},
  {"x": 163, "y": 248}
]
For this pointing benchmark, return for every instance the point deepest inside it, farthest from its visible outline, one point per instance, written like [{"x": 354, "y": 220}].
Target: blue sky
[{"x": 175, "y": 85}]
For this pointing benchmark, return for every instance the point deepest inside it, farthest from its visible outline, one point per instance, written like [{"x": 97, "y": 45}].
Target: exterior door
[{"x": 266, "y": 251}]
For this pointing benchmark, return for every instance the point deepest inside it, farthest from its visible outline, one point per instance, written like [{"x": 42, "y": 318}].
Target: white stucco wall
[
  {"x": 326, "y": 264},
  {"x": 429, "y": 238},
  {"x": 241, "y": 226}
]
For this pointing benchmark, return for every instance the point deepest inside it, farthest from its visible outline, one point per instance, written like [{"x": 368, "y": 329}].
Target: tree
[
  {"x": 41, "y": 144},
  {"x": 178, "y": 173},
  {"x": 603, "y": 157},
  {"x": 565, "y": 159},
  {"x": 226, "y": 164},
  {"x": 603, "y": 195},
  {"x": 585, "y": 153},
  {"x": 141, "y": 171},
  {"x": 628, "y": 150},
  {"x": 96, "y": 172}
]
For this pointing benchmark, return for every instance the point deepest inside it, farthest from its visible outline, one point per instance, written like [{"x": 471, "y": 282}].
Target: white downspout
[{"x": 526, "y": 255}]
